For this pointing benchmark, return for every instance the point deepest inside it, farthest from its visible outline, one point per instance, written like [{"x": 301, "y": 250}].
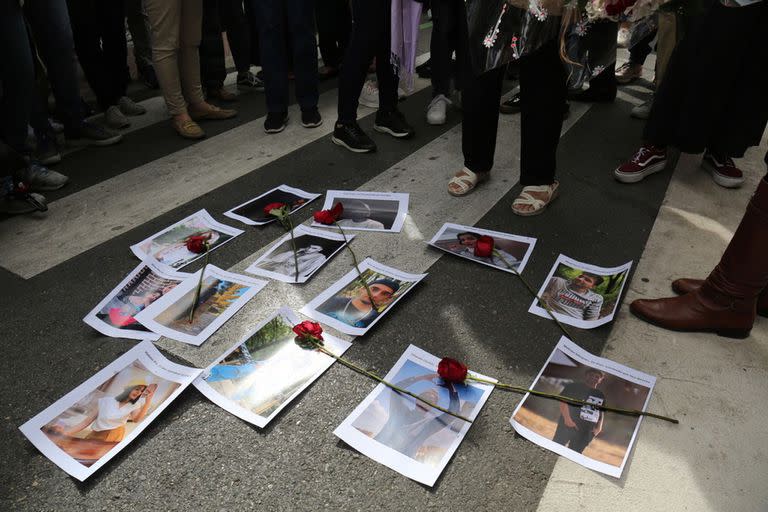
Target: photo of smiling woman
[{"x": 104, "y": 417}]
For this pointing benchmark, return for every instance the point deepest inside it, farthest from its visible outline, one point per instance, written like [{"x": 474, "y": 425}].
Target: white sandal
[
  {"x": 465, "y": 181},
  {"x": 526, "y": 199}
]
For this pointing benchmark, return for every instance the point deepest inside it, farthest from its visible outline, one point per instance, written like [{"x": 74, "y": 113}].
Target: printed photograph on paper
[
  {"x": 580, "y": 294},
  {"x": 600, "y": 440},
  {"x": 314, "y": 247},
  {"x": 92, "y": 423},
  {"x": 511, "y": 252},
  {"x": 405, "y": 434},
  {"x": 264, "y": 372},
  {"x": 252, "y": 211},
  {"x": 115, "y": 315},
  {"x": 346, "y": 305},
  {"x": 222, "y": 294},
  {"x": 369, "y": 211},
  {"x": 169, "y": 246}
]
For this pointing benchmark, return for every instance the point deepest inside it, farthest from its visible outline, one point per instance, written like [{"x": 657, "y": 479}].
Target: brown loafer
[
  {"x": 222, "y": 94},
  {"x": 188, "y": 129},
  {"x": 211, "y": 112}
]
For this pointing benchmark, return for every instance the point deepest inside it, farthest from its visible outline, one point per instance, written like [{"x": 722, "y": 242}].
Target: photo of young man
[
  {"x": 574, "y": 298},
  {"x": 579, "y": 425},
  {"x": 357, "y": 310}
]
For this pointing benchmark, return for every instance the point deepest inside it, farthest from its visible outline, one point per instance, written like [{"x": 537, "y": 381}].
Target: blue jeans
[{"x": 296, "y": 19}]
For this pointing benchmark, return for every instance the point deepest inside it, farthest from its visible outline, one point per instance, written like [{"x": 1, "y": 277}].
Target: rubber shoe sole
[
  {"x": 343, "y": 144},
  {"x": 398, "y": 135},
  {"x": 634, "y": 177},
  {"x": 94, "y": 142},
  {"x": 312, "y": 125},
  {"x": 278, "y": 129},
  {"x": 720, "y": 179}
]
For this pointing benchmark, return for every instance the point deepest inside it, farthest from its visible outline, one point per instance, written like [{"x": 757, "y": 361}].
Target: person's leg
[
  {"x": 274, "y": 59},
  {"x": 165, "y": 26},
  {"x": 115, "y": 48},
  {"x": 563, "y": 434},
  {"x": 326, "y": 18},
  {"x": 235, "y": 23},
  {"x": 87, "y": 28},
  {"x": 53, "y": 33},
  {"x": 480, "y": 107},
  {"x": 580, "y": 440},
  {"x": 640, "y": 51},
  {"x": 601, "y": 42},
  {"x": 441, "y": 46},
  {"x": 386, "y": 76},
  {"x": 137, "y": 26},
  {"x": 212, "y": 67},
  {"x": 301, "y": 18},
  {"x": 543, "y": 80},
  {"x": 357, "y": 59},
  {"x": 189, "y": 53},
  {"x": 16, "y": 77}
]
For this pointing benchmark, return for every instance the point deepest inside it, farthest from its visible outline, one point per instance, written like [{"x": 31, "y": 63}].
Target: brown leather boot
[
  {"x": 726, "y": 301},
  {"x": 686, "y": 285}
]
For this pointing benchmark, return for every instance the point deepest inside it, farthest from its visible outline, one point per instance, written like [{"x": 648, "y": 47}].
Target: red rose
[
  {"x": 484, "y": 247},
  {"x": 618, "y": 7},
  {"x": 308, "y": 329},
  {"x": 328, "y": 217},
  {"x": 198, "y": 244},
  {"x": 451, "y": 370},
  {"x": 274, "y": 206}
]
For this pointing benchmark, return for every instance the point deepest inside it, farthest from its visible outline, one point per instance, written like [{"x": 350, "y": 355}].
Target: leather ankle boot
[
  {"x": 726, "y": 301},
  {"x": 686, "y": 285}
]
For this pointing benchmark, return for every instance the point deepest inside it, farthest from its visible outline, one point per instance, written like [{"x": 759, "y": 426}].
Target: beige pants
[{"x": 176, "y": 27}]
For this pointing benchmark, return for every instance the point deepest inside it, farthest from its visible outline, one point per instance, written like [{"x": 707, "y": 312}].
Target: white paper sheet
[
  {"x": 252, "y": 211},
  {"x": 511, "y": 250},
  {"x": 566, "y": 372},
  {"x": 345, "y": 305},
  {"x": 315, "y": 248},
  {"x": 168, "y": 247},
  {"x": 585, "y": 309},
  {"x": 368, "y": 211},
  {"x": 115, "y": 315},
  {"x": 400, "y": 432},
  {"x": 262, "y": 373},
  {"x": 93, "y": 403},
  {"x": 222, "y": 295}
]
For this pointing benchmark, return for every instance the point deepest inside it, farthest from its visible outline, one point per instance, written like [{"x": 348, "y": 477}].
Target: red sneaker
[
  {"x": 648, "y": 160},
  {"x": 723, "y": 171}
]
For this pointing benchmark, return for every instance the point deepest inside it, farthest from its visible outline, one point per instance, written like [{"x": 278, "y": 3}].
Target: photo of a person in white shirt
[{"x": 357, "y": 215}]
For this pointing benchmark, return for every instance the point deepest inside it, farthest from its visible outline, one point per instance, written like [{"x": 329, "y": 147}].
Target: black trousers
[
  {"x": 576, "y": 440},
  {"x": 98, "y": 30},
  {"x": 602, "y": 43},
  {"x": 542, "y": 100},
  {"x": 220, "y": 16},
  {"x": 370, "y": 38},
  {"x": 281, "y": 22},
  {"x": 449, "y": 34},
  {"x": 640, "y": 51},
  {"x": 334, "y": 24}
]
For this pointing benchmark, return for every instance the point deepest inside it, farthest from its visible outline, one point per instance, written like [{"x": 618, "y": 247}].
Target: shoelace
[
  {"x": 640, "y": 154},
  {"x": 437, "y": 98}
]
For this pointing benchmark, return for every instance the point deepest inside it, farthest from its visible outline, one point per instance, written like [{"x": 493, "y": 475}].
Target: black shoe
[
  {"x": 511, "y": 106},
  {"x": 593, "y": 95},
  {"x": 393, "y": 123},
  {"x": 91, "y": 134},
  {"x": 276, "y": 122},
  {"x": 352, "y": 137},
  {"x": 425, "y": 70},
  {"x": 311, "y": 118}
]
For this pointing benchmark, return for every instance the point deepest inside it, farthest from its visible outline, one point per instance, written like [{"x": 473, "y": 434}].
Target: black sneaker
[
  {"x": 352, "y": 137},
  {"x": 311, "y": 118},
  {"x": 91, "y": 134},
  {"x": 393, "y": 123},
  {"x": 276, "y": 122}
]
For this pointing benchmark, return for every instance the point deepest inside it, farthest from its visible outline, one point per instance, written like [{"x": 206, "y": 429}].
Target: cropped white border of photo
[
  {"x": 147, "y": 316},
  {"x": 602, "y": 271},
  {"x": 606, "y": 365},
  {"x": 334, "y": 196},
  {"x": 284, "y": 188},
  {"x": 207, "y": 219},
  {"x": 494, "y": 234},
  {"x": 390, "y": 457},
  {"x": 310, "y": 310},
  {"x": 153, "y": 360},
  {"x": 332, "y": 343},
  {"x": 301, "y": 229},
  {"x": 104, "y": 328}
]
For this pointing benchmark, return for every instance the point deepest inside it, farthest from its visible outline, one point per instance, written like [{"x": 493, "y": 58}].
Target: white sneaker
[
  {"x": 623, "y": 37},
  {"x": 369, "y": 96},
  {"x": 642, "y": 111},
  {"x": 436, "y": 112},
  {"x": 115, "y": 118},
  {"x": 130, "y": 107}
]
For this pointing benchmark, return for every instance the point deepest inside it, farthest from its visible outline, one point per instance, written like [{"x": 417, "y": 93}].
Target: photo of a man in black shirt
[{"x": 578, "y": 425}]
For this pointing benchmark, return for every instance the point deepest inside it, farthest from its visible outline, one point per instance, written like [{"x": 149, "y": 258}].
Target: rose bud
[
  {"x": 484, "y": 247},
  {"x": 451, "y": 370},
  {"x": 309, "y": 329},
  {"x": 198, "y": 244}
]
